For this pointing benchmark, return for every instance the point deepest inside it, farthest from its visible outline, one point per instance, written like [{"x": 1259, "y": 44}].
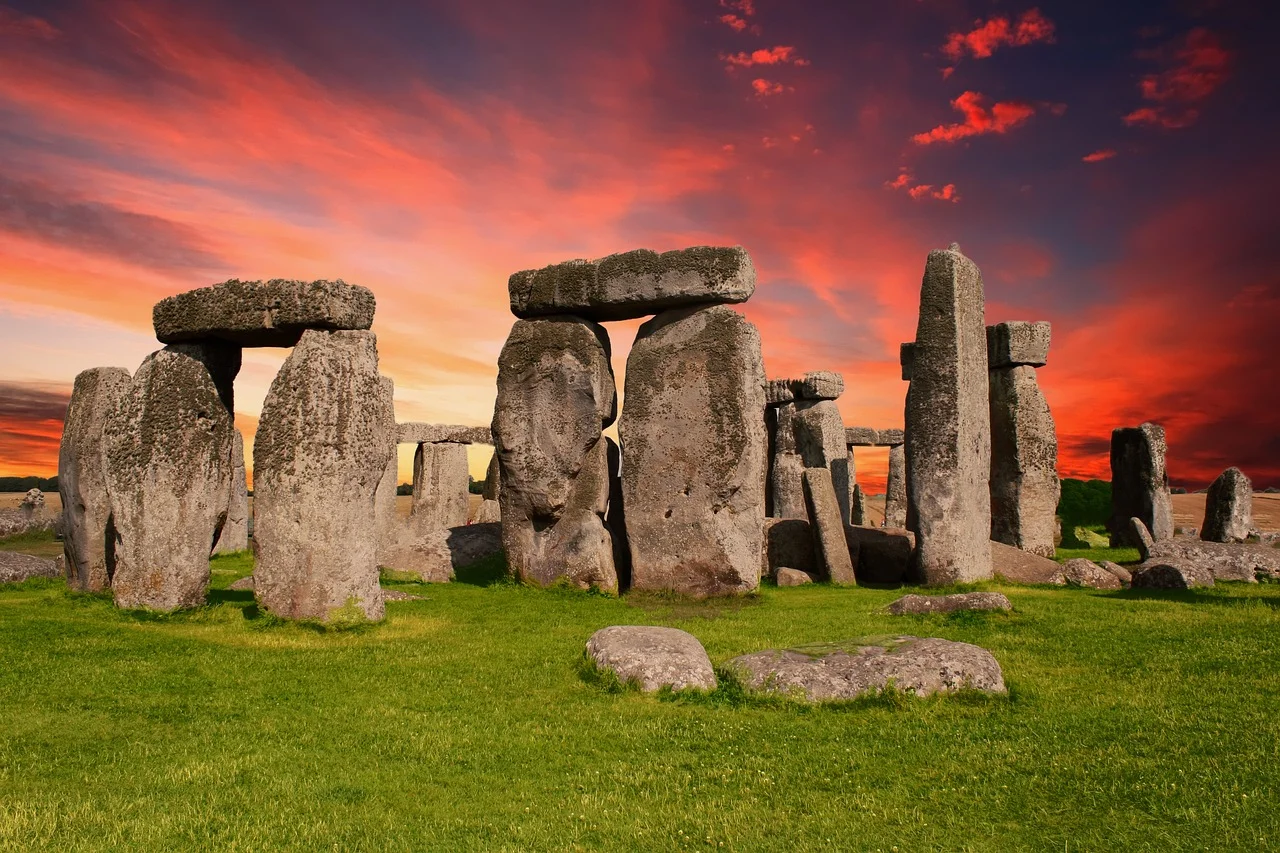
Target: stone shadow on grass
[{"x": 1200, "y": 596}]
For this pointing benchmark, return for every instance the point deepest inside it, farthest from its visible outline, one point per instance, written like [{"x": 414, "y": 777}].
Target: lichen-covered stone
[
  {"x": 1225, "y": 561},
  {"x": 1228, "y": 509},
  {"x": 1018, "y": 342},
  {"x": 786, "y": 468},
  {"x": 271, "y": 313},
  {"x": 895, "y": 495},
  {"x": 892, "y": 437},
  {"x": 421, "y": 433},
  {"x": 1171, "y": 574},
  {"x": 384, "y": 497},
  {"x": 235, "y": 530},
  {"x": 828, "y": 527},
  {"x": 819, "y": 385},
  {"x": 1139, "y": 484},
  {"x": 441, "y": 480},
  {"x": 167, "y": 449},
  {"x": 1018, "y": 566},
  {"x": 1086, "y": 573},
  {"x": 88, "y": 539},
  {"x": 16, "y": 567},
  {"x": 916, "y": 605},
  {"x": 779, "y": 391},
  {"x": 694, "y": 445},
  {"x": 652, "y": 658},
  {"x": 861, "y": 437},
  {"x": 319, "y": 455},
  {"x": 1024, "y": 462},
  {"x": 819, "y": 435}
]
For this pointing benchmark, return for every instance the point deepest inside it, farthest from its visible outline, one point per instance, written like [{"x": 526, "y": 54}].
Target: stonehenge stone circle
[
  {"x": 1018, "y": 343},
  {"x": 555, "y": 395},
  {"x": 948, "y": 428},
  {"x": 320, "y": 453},
  {"x": 167, "y": 460},
  {"x": 786, "y": 469},
  {"x": 832, "y": 548},
  {"x": 819, "y": 437},
  {"x": 235, "y": 530},
  {"x": 1139, "y": 484},
  {"x": 87, "y": 534},
  {"x": 634, "y": 284},
  {"x": 1228, "y": 510},
  {"x": 895, "y": 495},
  {"x": 694, "y": 453},
  {"x": 440, "y": 482}
]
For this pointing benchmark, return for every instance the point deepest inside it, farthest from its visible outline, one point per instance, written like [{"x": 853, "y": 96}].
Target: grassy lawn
[
  {"x": 1135, "y": 721},
  {"x": 41, "y": 543}
]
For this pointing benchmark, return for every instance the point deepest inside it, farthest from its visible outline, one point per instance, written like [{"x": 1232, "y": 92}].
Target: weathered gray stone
[
  {"x": 441, "y": 480},
  {"x": 419, "y": 547},
  {"x": 634, "y": 284},
  {"x": 555, "y": 395},
  {"x": 1139, "y": 484},
  {"x": 1018, "y": 566},
  {"x": 489, "y": 512},
  {"x": 948, "y": 427},
  {"x": 907, "y": 358},
  {"x": 1086, "y": 573},
  {"x": 819, "y": 434},
  {"x": 895, "y": 496},
  {"x": 652, "y": 658},
  {"x": 167, "y": 448},
  {"x": 1017, "y": 342},
  {"x": 841, "y": 671},
  {"x": 694, "y": 445},
  {"x": 420, "y": 433},
  {"x": 319, "y": 455},
  {"x": 1170, "y": 574},
  {"x": 792, "y": 577},
  {"x": 33, "y": 500},
  {"x": 1123, "y": 574},
  {"x": 245, "y": 583},
  {"x": 828, "y": 527},
  {"x": 235, "y": 530},
  {"x": 916, "y": 605},
  {"x": 819, "y": 385},
  {"x": 892, "y": 437},
  {"x": 222, "y": 359},
  {"x": 861, "y": 437},
  {"x": 474, "y": 542},
  {"x": 779, "y": 391},
  {"x": 1228, "y": 511},
  {"x": 262, "y": 313},
  {"x": 492, "y": 479},
  {"x": 786, "y": 470},
  {"x": 18, "y": 520},
  {"x": 16, "y": 567},
  {"x": 384, "y": 497},
  {"x": 788, "y": 542},
  {"x": 88, "y": 539},
  {"x": 1141, "y": 537},
  {"x": 883, "y": 554},
  {"x": 1226, "y": 561},
  {"x": 1024, "y": 461},
  {"x": 859, "y": 513}
]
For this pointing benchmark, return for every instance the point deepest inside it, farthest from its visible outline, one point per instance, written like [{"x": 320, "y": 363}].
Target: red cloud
[
  {"x": 922, "y": 191},
  {"x": 738, "y": 22},
  {"x": 1002, "y": 116},
  {"x": 1197, "y": 65},
  {"x": 734, "y": 22},
  {"x": 764, "y": 88},
  {"x": 780, "y": 55},
  {"x": 985, "y": 37},
  {"x": 1099, "y": 155}
]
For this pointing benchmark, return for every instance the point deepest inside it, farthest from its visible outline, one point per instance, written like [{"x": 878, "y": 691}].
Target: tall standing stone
[
  {"x": 786, "y": 473},
  {"x": 384, "y": 502},
  {"x": 235, "y": 530},
  {"x": 440, "y": 481},
  {"x": 1139, "y": 484},
  {"x": 555, "y": 396},
  {"x": 895, "y": 494},
  {"x": 88, "y": 538},
  {"x": 693, "y": 445},
  {"x": 819, "y": 431},
  {"x": 1228, "y": 509},
  {"x": 167, "y": 455},
  {"x": 320, "y": 453},
  {"x": 948, "y": 427},
  {"x": 859, "y": 512}
]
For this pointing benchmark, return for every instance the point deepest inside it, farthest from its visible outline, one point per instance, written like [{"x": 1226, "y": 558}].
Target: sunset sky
[{"x": 1112, "y": 168}]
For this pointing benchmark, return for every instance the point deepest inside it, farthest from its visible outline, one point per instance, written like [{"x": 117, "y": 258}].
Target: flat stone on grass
[
  {"x": 652, "y": 657},
  {"x": 921, "y": 604}
]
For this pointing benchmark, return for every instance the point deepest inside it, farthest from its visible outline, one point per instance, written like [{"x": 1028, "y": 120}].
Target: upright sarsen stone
[
  {"x": 820, "y": 442},
  {"x": 693, "y": 449},
  {"x": 948, "y": 428},
  {"x": 88, "y": 539},
  {"x": 786, "y": 471},
  {"x": 384, "y": 500},
  {"x": 235, "y": 530},
  {"x": 895, "y": 494},
  {"x": 555, "y": 395},
  {"x": 440, "y": 485},
  {"x": 1024, "y": 460},
  {"x": 1228, "y": 509},
  {"x": 167, "y": 456},
  {"x": 319, "y": 455},
  {"x": 1139, "y": 484}
]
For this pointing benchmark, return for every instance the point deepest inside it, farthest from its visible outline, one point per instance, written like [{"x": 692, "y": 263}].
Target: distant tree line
[
  {"x": 26, "y": 484},
  {"x": 1083, "y": 503}
]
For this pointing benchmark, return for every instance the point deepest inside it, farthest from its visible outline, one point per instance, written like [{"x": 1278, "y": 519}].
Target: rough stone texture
[
  {"x": 384, "y": 497},
  {"x": 420, "y": 433},
  {"x": 694, "y": 446},
  {"x": 828, "y": 527},
  {"x": 167, "y": 460},
  {"x": 858, "y": 513},
  {"x": 245, "y": 583},
  {"x": 848, "y": 670},
  {"x": 786, "y": 470},
  {"x": 27, "y": 520},
  {"x": 895, "y": 496},
  {"x": 634, "y": 284},
  {"x": 1228, "y": 511},
  {"x": 907, "y": 358},
  {"x": 16, "y": 567},
  {"x": 1141, "y": 536},
  {"x": 883, "y": 554},
  {"x": 1125, "y": 576},
  {"x": 1086, "y": 573},
  {"x": 320, "y": 452},
  {"x": 489, "y": 512},
  {"x": 440, "y": 485},
  {"x": 235, "y": 530},
  {"x": 861, "y": 437},
  {"x": 792, "y": 577},
  {"x": 1024, "y": 461},
  {"x": 1170, "y": 574},
  {"x": 920, "y": 604},
  {"x": 892, "y": 437},
  {"x": 788, "y": 542},
  {"x": 262, "y": 313},
  {"x": 653, "y": 658},
  {"x": 1139, "y": 484},
  {"x": 88, "y": 541},
  {"x": 948, "y": 427},
  {"x": 819, "y": 434},
  {"x": 820, "y": 385},
  {"x": 33, "y": 500},
  {"x": 492, "y": 479},
  {"x": 1018, "y": 566},
  {"x": 222, "y": 359},
  {"x": 1226, "y": 561},
  {"x": 474, "y": 542},
  {"x": 420, "y": 548},
  {"x": 555, "y": 395},
  {"x": 779, "y": 391},
  {"x": 1017, "y": 343}
]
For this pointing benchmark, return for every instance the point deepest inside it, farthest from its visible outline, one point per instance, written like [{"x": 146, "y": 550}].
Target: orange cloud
[
  {"x": 781, "y": 55},
  {"x": 987, "y": 36},
  {"x": 765, "y": 88},
  {"x": 978, "y": 119},
  {"x": 736, "y": 19},
  {"x": 922, "y": 191},
  {"x": 1099, "y": 155},
  {"x": 1197, "y": 65}
]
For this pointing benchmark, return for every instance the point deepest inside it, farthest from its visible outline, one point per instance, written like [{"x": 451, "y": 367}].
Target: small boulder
[
  {"x": 652, "y": 657},
  {"x": 1125, "y": 576},
  {"x": 1171, "y": 574},
  {"x": 15, "y": 567},
  {"x": 242, "y": 584},
  {"x": 792, "y": 577},
  {"x": 921, "y": 604},
  {"x": 1086, "y": 573},
  {"x": 1018, "y": 566}
]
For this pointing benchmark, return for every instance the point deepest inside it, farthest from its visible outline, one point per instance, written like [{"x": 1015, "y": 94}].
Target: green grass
[
  {"x": 41, "y": 543},
  {"x": 1097, "y": 547},
  {"x": 468, "y": 721}
]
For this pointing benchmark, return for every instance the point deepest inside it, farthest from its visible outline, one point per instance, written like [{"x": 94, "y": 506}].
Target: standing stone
[
  {"x": 786, "y": 475},
  {"x": 87, "y": 533},
  {"x": 235, "y": 531},
  {"x": 694, "y": 444},
  {"x": 1228, "y": 509},
  {"x": 895, "y": 496},
  {"x": 441, "y": 479},
  {"x": 384, "y": 501},
  {"x": 555, "y": 395},
  {"x": 320, "y": 453},
  {"x": 819, "y": 436},
  {"x": 828, "y": 527},
  {"x": 1024, "y": 460},
  {"x": 167, "y": 456},
  {"x": 221, "y": 359},
  {"x": 1139, "y": 484},
  {"x": 948, "y": 427},
  {"x": 859, "y": 513}
]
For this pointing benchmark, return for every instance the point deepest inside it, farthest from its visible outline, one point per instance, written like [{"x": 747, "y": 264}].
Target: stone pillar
[
  {"x": 490, "y": 511},
  {"x": 384, "y": 501},
  {"x": 1139, "y": 484},
  {"x": 808, "y": 433},
  {"x": 440, "y": 484},
  {"x": 235, "y": 531},
  {"x": 555, "y": 395},
  {"x": 895, "y": 494},
  {"x": 167, "y": 456},
  {"x": 1024, "y": 444},
  {"x": 1228, "y": 509},
  {"x": 693, "y": 445},
  {"x": 786, "y": 473},
  {"x": 948, "y": 427},
  {"x": 859, "y": 514},
  {"x": 88, "y": 538},
  {"x": 320, "y": 452}
]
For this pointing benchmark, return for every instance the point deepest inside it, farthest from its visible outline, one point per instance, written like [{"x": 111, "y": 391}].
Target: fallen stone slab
[
  {"x": 16, "y": 567},
  {"x": 883, "y": 554},
  {"x": 1226, "y": 561},
  {"x": 792, "y": 577},
  {"x": 834, "y": 672},
  {"x": 1023, "y": 567},
  {"x": 634, "y": 284},
  {"x": 1228, "y": 508},
  {"x": 653, "y": 658},
  {"x": 1018, "y": 343},
  {"x": 828, "y": 526},
  {"x": 916, "y": 605},
  {"x": 1118, "y": 570},
  {"x": 1086, "y": 573},
  {"x": 1170, "y": 574},
  {"x": 413, "y": 432}
]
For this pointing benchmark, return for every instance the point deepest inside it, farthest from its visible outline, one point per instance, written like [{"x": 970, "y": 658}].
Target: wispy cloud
[
  {"x": 1099, "y": 155},
  {"x": 987, "y": 36},
  {"x": 1195, "y": 66},
  {"x": 1000, "y": 117},
  {"x": 781, "y": 55}
]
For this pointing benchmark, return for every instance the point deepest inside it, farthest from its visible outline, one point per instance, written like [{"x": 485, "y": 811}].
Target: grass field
[{"x": 1135, "y": 721}]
